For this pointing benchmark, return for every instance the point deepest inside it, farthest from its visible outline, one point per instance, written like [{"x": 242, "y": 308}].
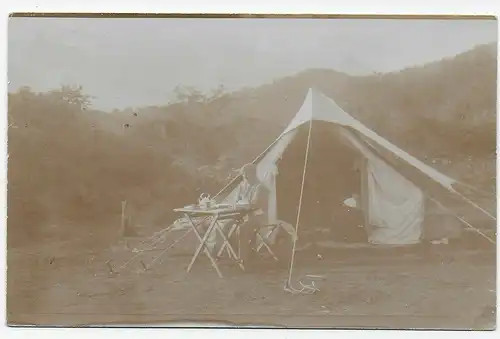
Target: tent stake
[
  {"x": 122, "y": 225},
  {"x": 110, "y": 267}
]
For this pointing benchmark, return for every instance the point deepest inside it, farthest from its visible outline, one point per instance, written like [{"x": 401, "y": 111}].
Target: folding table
[{"x": 218, "y": 214}]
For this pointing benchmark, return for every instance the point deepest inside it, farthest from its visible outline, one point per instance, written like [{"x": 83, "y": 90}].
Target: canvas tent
[
  {"x": 321, "y": 158},
  {"x": 390, "y": 180}
]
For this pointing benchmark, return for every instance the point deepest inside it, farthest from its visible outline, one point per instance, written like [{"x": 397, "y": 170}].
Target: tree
[
  {"x": 188, "y": 94},
  {"x": 72, "y": 95},
  {"x": 217, "y": 93}
]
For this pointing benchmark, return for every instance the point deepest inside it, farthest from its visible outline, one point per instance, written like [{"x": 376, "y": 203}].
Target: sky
[{"x": 131, "y": 62}]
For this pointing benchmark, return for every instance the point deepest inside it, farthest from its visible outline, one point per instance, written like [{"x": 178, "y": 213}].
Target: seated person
[
  {"x": 349, "y": 221},
  {"x": 255, "y": 193}
]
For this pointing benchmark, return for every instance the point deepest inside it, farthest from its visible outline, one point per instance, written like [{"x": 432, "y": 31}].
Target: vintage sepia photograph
[{"x": 252, "y": 170}]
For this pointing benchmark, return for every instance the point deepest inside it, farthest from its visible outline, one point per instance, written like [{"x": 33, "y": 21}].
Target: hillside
[
  {"x": 70, "y": 167},
  {"x": 441, "y": 112}
]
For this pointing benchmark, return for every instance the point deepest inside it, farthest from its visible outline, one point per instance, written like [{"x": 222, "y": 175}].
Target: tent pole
[
  {"x": 300, "y": 206},
  {"x": 365, "y": 198}
]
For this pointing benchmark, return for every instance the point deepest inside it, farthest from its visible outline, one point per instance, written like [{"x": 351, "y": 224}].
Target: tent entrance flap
[{"x": 333, "y": 175}]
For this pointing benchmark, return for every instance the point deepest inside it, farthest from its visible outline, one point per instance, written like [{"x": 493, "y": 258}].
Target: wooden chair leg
[
  {"x": 267, "y": 246},
  {"x": 259, "y": 247},
  {"x": 273, "y": 229},
  {"x": 264, "y": 240}
]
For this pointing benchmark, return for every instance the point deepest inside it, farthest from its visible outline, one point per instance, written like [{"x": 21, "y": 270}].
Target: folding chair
[
  {"x": 272, "y": 228},
  {"x": 263, "y": 240},
  {"x": 234, "y": 230}
]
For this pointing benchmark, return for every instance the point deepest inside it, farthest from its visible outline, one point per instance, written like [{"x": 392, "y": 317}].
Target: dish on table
[{"x": 242, "y": 205}]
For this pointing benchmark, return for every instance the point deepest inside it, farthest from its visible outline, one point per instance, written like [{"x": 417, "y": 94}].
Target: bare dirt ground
[{"x": 440, "y": 288}]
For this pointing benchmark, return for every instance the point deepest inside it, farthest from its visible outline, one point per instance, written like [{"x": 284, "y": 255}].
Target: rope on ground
[
  {"x": 288, "y": 286},
  {"x": 157, "y": 235},
  {"x": 169, "y": 247},
  {"x": 463, "y": 220},
  {"x": 157, "y": 238},
  {"x": 305, "y": 288}
]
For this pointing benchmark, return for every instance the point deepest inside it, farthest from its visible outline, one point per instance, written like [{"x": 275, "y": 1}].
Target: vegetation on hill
[{"x": 70, "y": 166}]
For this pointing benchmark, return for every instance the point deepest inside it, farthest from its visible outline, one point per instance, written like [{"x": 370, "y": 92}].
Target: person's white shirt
[{"x": 351, "y": 202}]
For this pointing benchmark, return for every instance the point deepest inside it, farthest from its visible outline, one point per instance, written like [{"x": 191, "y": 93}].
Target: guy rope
[{"x": 308, "y": 289}]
